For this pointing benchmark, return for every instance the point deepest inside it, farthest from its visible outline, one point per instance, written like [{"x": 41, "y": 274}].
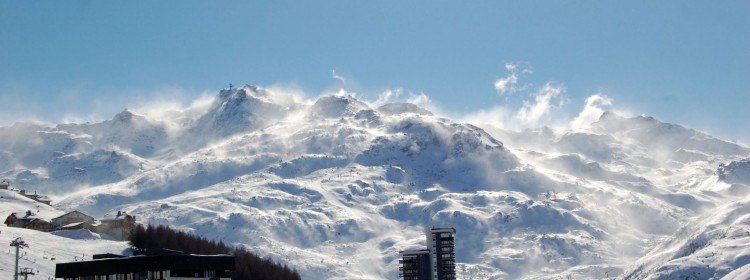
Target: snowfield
[
  {"x": 46, "y": 249},
  {"x": 335, "y": 188}
]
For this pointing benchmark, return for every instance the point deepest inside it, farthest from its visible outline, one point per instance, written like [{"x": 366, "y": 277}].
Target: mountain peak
[
  {"x": 127, "y": 118},
  {"x": 335, "y": 106},
  {"x": 124, "y": 116},
  {"x": 609, "y": 115},
  {"x": 240, "y": 109},
  {"x": 735, "y": 172},
  {"x": 665, "y": 137},
  {"x": 401, "y": 108}
]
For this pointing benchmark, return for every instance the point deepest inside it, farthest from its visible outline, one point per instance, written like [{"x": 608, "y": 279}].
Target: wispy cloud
[
  {"x": 546, "y": 98},
  {"x": 399, "y": 95},
  {"x": 388, "y": 96},
  {"x": 533, "y": 113},
  {"x": 420, "y": 99},
  {"x": 160, "y": 103},
  {"x": 595, "y": 106},
  {"x": 509, "y": 84},
  {"x": 337, "y": 77},
  {"x": 497, "y": 116},
  {"x": 538, "y": 105}
]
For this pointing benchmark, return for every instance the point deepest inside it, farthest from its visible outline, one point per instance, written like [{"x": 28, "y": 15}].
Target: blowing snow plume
[{"x": 336, "y": 186}]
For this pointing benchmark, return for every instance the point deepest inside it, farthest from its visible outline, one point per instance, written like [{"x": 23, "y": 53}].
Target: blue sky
[{"x": 684, "y": 62}]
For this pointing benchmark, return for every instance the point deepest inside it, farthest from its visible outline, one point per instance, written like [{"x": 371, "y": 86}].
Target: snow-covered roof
[
  {"x": 71, "y": 212},
  {"x": 73, "y": 224},
  {"x": 26, "y": 215}
]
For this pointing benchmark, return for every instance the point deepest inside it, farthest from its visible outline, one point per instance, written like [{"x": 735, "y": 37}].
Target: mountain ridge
[{"x": 335, "y": 188}]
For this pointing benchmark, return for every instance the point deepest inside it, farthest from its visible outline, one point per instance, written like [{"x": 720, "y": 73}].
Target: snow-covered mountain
[{"x": 336, "y": 188}]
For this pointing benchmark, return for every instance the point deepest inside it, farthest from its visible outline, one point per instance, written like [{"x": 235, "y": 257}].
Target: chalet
[
  {"x": 118, "y": 227},
  {"x": 44, "y": 199},
  {"x": 79, "y": 225},
  {"x": 11, "y": 220},
  {"x": 73, "y": 217},
  {"x": 40, "y": 225},
  {"x": 172, "y": 266},
  {"x": 36, "y": 197},
  {"x": 4, "y": 185},
  {"x": 19, "y": 219}
]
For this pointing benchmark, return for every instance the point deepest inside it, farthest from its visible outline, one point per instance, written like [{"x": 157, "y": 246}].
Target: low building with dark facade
[
  {"x": 40, "y": 225},
  {"x": 19, "y": 219},
  {"x": 415, "y": 264},
  {"x": 167, "y": 267}
]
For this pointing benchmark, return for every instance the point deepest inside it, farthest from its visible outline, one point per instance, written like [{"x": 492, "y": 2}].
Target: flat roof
[
  {"x": 414, "y": 252},
  {"x": 125, "y": 265},
  {"x": 441, "y": 230}
]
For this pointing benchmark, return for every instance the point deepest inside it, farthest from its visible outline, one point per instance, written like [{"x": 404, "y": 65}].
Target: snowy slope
[
  {"x": 45, "y": 249},
  {"x": 336, "y": 188},
  {"x": 714, "y": 244},
  {"x": 15, "y": 202},
  {"x": 713, "y": 247}
]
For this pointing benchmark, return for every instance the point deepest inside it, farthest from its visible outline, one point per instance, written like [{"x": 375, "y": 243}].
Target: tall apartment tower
[
  {"x": 442, "y": 247},
  {"x": 437, "y": 262}
]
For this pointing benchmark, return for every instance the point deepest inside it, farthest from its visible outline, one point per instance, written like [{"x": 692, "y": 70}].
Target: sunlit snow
[{"x": 335, "y": 188}]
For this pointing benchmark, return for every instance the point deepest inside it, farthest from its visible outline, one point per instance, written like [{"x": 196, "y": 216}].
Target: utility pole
[{"x": 18, "y": 243}]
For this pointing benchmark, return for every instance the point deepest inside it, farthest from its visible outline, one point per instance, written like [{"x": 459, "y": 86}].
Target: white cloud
[
  {"x": 509, "y": 84},
  {"x": 388, "y": 96},
  {"x": 497, "y": 116},
  {"x": 537, "y": 111},
  {"x": 337, "y": 77},
  {"x": 592, "y": 110},
  {"x": 530, "y": 113},
  {"x": 398, "y": 95},
  {"x": 421, "y": 100}
]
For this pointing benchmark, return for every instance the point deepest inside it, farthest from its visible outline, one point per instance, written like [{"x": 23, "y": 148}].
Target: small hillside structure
[
  {"x": 40, "y": 225},
  {"x": 79, "y": 225},
  {"x": 36, "y": 197},
  {"x": 19, "y": 219},
  {"x": 44, "y": 199},
  {"x": 118, "y": 227},
  {"x": 11, "y": 220},
  {"x": 4, "y": 185},
  {"x": 73, "y": 217}
]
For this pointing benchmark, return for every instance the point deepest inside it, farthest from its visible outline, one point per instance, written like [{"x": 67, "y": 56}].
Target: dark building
[
  {"x": 442, "y": 247},
  {"x": 40, "y": 225},
  {"x": 437, "y": 262},
  {"x": 19, "y": 219},
  {"x": 172, "y": 266},
  {"x": 415, "y": 265}
]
